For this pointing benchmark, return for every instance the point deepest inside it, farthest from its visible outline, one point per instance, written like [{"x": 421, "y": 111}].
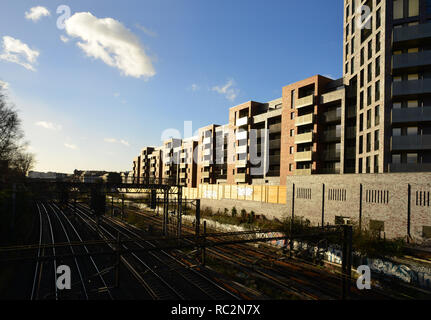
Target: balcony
[
  {"x": 241, "y": 149},
  {"x": 331, "y": 156},
  {"x": 183, "y": 165},
  {"x": 410, "y": 167},
  {"x": 350, "y": 153},
  {"x": 205, "y": 174},
  {"x": 273, "y": 160},
  {"x": 243, "y": 135},
  {"x": 242, "y": 122},
  {"x": 207, "y": 141},
  {"x": 412, "y": 87},
  {"x": 240, "y": 178},
  {"x": 241, "y": 164},
  {"x": 411, "y": 143},
  {"x": 305, "y": 102},
  {"x": 304, "y": 156},
  {"x": 207, "y": 152},
  {"x": 183, "y": 175},
  {"x": 331, "y": 136},
  {"x": 413, "y": 35},
  {"x": 351, "y": 133},
  {"x": 303, "y": 172},
  {"x": 274, "y": 144},
  {"x": 206, "y": 163},
  {"x": 333, "y": 116},
  {"x": 411, "y": 115},
  {"x": 275, "y": 128},
  {"x": 304, "y": 138},
  {"x": 411, "y": 61},
  {"x": 304, "y": 120}
]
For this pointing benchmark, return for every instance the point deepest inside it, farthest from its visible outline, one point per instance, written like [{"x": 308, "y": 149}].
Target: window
[
  {"x": 413, "y": 104},
  {"x": 360, "y": 166},
  {"x": 362, "y": 57},
  {"x": 347, "y": 31},
  {"x": 377, "y": 116},
  {"x": 368, "y": 119},
  {"x": 292, "y": 116},
  {"x": 396, "y": 158},
  {"x": 377, "y": 91},
  {"x": 376, "y": 140},
  {"x": 376, "y": 164},
  {"x": 290, "y": 167},
  {"x": 347, "y": 68},
  {"x": 396, "y": 132},
  {"x": 413, "y": 8},
  {"x": 370, "y": 72},
  {"x": 377, "y": 66},
  {"x": 292, "y": 133},
  {"x": 353, "y": 45},
  {"x": 368, "y": 162},
  {"x": 413, "y": 76},
  {"x": 369, "y": 97},
  {"x": 292, "y": 99},
  {"x": 378, "y": 18},
  {"x": 412, "y": 131},
  {"x": 368, "y": 143},
  {"x": 362, "y": 78},
  {"x": 397, "y": 79},
  {"x": 352, "y": 66},
  {"x": 370, "y": 49},
  {"x": 361, "y": 100},
  {"x": 398, "y": 9},
  {"x": 292, "y": 150},
  {"x": 361, "y": 144},
  {"x": 361, "y": 122},
  {"x": 412, "y": 158}
]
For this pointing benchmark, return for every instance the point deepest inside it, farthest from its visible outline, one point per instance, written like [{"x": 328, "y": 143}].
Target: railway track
[
  {"x": 300, "y": 278},
  {"x": 162, "y": 274}
]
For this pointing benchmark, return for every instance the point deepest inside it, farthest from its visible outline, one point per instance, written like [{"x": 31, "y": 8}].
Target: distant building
[{"x": 48, "y": 175}]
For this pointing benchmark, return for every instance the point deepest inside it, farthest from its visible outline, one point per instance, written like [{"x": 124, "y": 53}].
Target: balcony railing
[
  {"x": 303, "y": 172},
  {"x": 305, "y": 102},
  {"x": 274, "y": 144},
  {"x": 304, "y": 120},
  {"x": 242, "y": 122},
  {"x": 410, "y": 167},
  {"x": 205, "y": 174},
  {"x": 242, "y": 135},
  {"x": 413, "y": 34},
  {"x": 241, "y": 149},
  {"x": 240, "y": 178},
  {"x": 304, "y": 156},
  {"x": 406, "y": 143},
  {"x": 411, "y": 115},
  {"x": 331, "y": 135},
  {"x": 304, "y": 138},
  {"x": 411, "y": 87},
  {"x": 241, "y": 164},
  {"x": 411, "y": 60}
]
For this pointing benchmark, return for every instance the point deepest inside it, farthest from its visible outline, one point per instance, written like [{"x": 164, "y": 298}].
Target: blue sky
[{"x": 94, "y": 100}]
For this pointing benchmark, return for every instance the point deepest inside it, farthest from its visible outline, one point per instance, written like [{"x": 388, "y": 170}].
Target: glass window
[
  {"x": 377, "y": 66},
  {"x": 378, "y": 42},
  {"x": 398, "y": 9},
  {"x": 397, "y": 105},
  {"x": 396, "y": 132},
  {"x": 412, "y": 158},
  {"x": 412, "y": 131},
  {"x": 377, "y": 91},
  {"x": 413, "y": 8},
  {"x": 397, "y": 79},
  {"x": 376, "y": 140},
  {"x": 413, "y": 76},
  {"x": 377, "y": 116},
  {"x": 396, "y": 158},
  {"x": 413, "y": 104}
]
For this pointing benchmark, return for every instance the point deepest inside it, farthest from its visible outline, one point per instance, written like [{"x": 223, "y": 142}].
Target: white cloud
[
  {"x": 108, "y": 40},
  {"x": 227, "y": 90},
  {"x": 4, "y": 85},
  {"x": 195, "y": 87},
  {"x": 18, "y": 52},
  {"x": 116, "y": 94},
  {"x": 64, "y": 39},
  {"x": 70, "y": 146},
  {"x": 113, "y": 140},
  {"x": 147, "y": 31},
  {"x": 36, "y": 13},
  {"x": 48, "y": 125}
]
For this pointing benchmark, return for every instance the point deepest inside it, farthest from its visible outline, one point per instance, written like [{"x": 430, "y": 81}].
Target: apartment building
[
  {"x": 387, "y": 62},
  {"x": 156, "y": 165},
  {"x": 145, "y": 163},
  {"x": 376, "y": 119},
  {"x": 171, "y": 160},
  {"x": 206, "y": 155},
  {"x": 188, "y": 165},
  {"x": 136, "y": 169}
]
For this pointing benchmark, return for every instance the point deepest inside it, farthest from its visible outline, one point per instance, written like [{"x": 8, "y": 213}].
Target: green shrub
[{"x": 234, "y": 212}]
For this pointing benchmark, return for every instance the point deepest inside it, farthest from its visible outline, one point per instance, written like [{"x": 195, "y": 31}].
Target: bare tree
[
  {"x": 10, "y": 129},
  {"x": 12, "y": 146}
]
